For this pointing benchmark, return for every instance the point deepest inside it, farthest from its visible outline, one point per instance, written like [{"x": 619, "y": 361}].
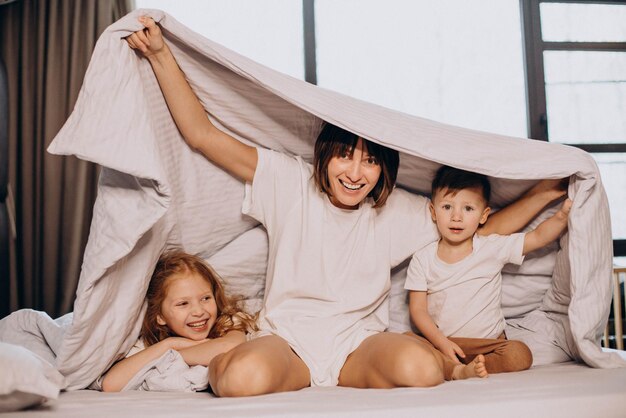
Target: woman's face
[{"x": 352, "y": 177}]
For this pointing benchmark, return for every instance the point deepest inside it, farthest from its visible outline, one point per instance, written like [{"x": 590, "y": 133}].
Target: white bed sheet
[{"x": 562, "y": 390}]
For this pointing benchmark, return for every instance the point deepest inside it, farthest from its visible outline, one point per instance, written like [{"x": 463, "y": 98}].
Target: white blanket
[
  {"x": 156, "y": 193},
  {"x": 170, "y": 373}
]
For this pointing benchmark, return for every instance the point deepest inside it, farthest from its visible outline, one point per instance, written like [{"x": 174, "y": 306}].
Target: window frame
[{"x": 534, "y": 47}]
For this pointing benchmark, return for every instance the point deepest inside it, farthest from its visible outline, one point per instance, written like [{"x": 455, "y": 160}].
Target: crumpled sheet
[{"x": 168, "y": 373}]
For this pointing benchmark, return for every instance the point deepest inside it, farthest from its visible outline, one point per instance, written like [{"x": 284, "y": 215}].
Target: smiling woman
[{"x": 349, "y": 168}]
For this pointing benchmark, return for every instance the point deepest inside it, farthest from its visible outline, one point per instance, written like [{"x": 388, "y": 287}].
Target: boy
[{"x": 455, "y": 283}]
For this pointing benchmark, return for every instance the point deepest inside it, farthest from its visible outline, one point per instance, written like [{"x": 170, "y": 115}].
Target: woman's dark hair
[
  {"x": 453, "y": 180},
  {"x": 334, "y": 141}
]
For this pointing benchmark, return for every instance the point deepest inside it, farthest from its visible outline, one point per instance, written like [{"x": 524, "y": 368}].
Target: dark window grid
[
  {"x": 618, "y": 2},
  {"x": 589, "y": 46},
  {"x": 308, "y": 27},
  {"x": 534, "y": 46}
]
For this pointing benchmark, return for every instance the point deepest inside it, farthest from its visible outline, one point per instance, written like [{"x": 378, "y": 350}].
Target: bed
[
  {"x": 562, "y": 390},
  {"x": 155, "y": 193}
]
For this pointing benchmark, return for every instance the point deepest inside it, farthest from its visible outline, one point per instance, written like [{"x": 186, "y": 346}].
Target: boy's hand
[
  {"x": 563, "y": 213},
  {"x": 451, "y": 350}
]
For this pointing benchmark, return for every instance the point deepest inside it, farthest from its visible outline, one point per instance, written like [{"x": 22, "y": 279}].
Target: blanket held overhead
[{"x": 155, "y": 193}]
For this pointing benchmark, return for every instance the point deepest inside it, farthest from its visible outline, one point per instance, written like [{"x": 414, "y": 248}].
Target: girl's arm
[
  {"x": 418, "y": 307},
  {"x": 123, "y": 371},
  {"x": 220, "y": 148},
  {"x": 518, "y": 214},
  {"x": 202, "y": 354},
  {"x": 548, "y": 230}
]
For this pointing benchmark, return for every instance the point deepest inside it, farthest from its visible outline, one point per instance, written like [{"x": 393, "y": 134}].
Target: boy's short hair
[
  {"x": 454, "y": 180},
  {"x": 334, "y": 141}
]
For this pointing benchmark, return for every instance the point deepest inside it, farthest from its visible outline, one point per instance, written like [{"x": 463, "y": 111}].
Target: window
[
  {"x": 576, "y": 75},
  {"x": 268, "y": 31},
  {"x": 434, "y": 59},
  {"x": 439, "y": 59}
]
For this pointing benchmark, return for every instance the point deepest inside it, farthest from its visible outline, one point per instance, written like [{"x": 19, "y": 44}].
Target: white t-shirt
[
  {"x": 464, "y": 298},
  {"x": 328, "y": 273}
]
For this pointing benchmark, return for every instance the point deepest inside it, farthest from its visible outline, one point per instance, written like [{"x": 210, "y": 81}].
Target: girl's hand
[
  {"x": 149, "y": 40},
  {"x": 451, "y": 350},
  {"x": 180, "y": 343}
]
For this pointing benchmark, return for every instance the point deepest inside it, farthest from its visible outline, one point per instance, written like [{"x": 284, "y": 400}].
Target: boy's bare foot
[{"x": 474, "y": 369}]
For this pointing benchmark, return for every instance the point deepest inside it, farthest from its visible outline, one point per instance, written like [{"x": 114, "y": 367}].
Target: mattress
[{"x": 562, "y": 390}]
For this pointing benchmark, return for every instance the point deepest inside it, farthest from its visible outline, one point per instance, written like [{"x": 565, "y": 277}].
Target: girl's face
[
  {"x": 189, "y": 309},
  {"x": 352, "y": 177}
]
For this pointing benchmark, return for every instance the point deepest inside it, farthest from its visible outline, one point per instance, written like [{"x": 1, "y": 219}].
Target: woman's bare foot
[{"x": 474, "y": 369}]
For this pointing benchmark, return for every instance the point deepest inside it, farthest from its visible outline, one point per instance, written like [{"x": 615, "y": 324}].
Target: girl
[
  {"x": 335, "y": 229},
  {"x": 187, "y": 311}
]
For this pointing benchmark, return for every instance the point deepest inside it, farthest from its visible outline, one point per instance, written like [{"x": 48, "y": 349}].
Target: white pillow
[
  {"x": 26, "y": 379},
  {"x": 242, "y": 264}
]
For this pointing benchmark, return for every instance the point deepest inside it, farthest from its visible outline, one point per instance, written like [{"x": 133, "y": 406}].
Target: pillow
[
  {"x": 242, "y": 265},
  {"x": 27, "y": 380}
]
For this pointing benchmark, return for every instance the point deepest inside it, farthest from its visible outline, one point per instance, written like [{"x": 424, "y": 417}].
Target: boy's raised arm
[
  {"x": 548, "y": 230},
  {"x": 220, "y": 148}
]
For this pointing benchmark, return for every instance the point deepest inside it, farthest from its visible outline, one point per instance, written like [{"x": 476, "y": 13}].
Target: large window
[
  {"x": 576, "y": 66},
  {"x": 454, "y": 61},
  {"x": 548, "y": 70}
]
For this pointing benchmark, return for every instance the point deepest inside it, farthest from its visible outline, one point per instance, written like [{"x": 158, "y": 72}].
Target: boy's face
[{"x": 459, "y": 213}]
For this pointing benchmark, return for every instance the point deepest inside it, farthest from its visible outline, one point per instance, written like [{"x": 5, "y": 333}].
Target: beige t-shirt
[
  {"x": 328, "y": 273},
  {"x": 464, "y": 298}
]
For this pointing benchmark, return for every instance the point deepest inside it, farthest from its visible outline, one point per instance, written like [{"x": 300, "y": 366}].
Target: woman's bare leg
[
  {"x": 388, "y": 360},
  {"x": 264, "y": 365}
]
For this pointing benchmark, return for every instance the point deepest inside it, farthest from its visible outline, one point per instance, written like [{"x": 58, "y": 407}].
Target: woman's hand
[
  {"x": 552, "y": 189},
  {"x": 148, "y": 41}
]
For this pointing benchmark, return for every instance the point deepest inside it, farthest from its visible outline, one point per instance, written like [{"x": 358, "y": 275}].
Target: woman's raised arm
[
  {"x": 220, "y": 148},
  {"x": 518, "y": 214}
]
